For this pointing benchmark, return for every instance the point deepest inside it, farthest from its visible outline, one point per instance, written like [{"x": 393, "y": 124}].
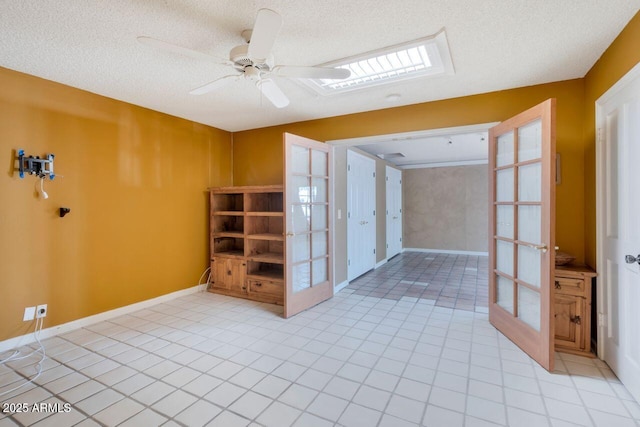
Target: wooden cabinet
[
  {"x": 247, "y": 242},
  {"x": 572, "y": 303}
]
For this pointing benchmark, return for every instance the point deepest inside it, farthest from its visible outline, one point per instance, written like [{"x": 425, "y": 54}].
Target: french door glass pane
[
  {"x": 504, "y": 221},
  {"x": 319, "y": 164},
  {"x": 505, "y": 153},
  {"x": 529, "y": 265},
  {"x": 504, "y": 257},
  {"x": 301, "y": 189},
  {"x": 530, "y": 141},
  {"x": 320, "y": 271},
  {"x": 529, "y": 307},
  {"x": 300, "y": 218},
  {"x": 301, "y": 277},
  {"x": 300, "y": 160},
  {"x": 529, "y": 223},
  {"x": 301, "y": 247},
  {"x": 530, "y": 182},
  {"x": 318, "y": 244},
  {"x": 504, "y": 185},
  {"x": 319, "y": 190},
  {"x": 504, "y": 291},
  {"x": 319, "y": 217}
]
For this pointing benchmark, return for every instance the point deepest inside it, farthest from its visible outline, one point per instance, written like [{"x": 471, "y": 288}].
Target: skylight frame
[{"x": 435, "y": 48}]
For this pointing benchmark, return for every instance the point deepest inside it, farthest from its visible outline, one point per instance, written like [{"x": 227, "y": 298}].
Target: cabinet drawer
[
  {"x": 266, "y": 287},
  {"x": 568, "y": 286}
]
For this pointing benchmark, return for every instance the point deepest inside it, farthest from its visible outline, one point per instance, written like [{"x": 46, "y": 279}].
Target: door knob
[{"x": 630, "y": 259}]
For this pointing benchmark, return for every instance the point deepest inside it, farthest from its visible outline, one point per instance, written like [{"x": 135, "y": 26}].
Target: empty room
[{"x": 269, "y": 213}]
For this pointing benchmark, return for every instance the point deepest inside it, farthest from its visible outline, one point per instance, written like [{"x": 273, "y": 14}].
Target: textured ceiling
[{"x": 494, "y": 44}]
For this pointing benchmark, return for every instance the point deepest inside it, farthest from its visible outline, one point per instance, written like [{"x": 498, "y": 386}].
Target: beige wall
[{"x": 446, "y": 208}]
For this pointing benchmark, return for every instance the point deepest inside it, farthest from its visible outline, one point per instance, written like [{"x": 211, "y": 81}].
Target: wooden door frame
[{"x": 602, "y": 288}]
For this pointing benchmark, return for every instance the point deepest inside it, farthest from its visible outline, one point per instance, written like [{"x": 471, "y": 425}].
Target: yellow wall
[
  {"x": 258, "y": 153},
  {"x": 135, "y": 181},
  {"x": 618, "y": 59}
]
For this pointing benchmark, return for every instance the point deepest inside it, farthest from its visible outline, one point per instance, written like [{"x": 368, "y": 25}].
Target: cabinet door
[
  {"x": 569, "y": 314},
  {"x": 228, "y": 274}
]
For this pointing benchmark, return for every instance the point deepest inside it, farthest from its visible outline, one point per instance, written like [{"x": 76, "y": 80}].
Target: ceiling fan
[{"x": 254, "y": 61}]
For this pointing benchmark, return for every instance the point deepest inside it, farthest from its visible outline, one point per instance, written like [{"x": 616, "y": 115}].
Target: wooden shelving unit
[{"x": 247, "y": 242}]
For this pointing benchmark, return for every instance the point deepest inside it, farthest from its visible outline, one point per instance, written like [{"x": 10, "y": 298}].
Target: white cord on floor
[
  {"x": 203, "y": 286},
  {"x": 36, "y": 334}
]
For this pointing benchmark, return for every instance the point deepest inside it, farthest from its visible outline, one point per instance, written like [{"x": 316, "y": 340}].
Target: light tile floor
[
  {"x": 355, "y": 360},
  {"x": 454, "y": 281}
]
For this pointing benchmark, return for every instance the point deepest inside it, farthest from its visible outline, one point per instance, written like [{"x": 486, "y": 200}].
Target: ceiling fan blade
[
  {"x": 273, "y": 93},
  {"x": 211, "y": 86},
  {"x": 311, "y": 72},
  {"x": 173, "y": 48},
  {"x": 264, "y": 35}
]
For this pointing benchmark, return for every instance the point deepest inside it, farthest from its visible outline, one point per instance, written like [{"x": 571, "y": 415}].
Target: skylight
[{"x": 424, "y": 57}]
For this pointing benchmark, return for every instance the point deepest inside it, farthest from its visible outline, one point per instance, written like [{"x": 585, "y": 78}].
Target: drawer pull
[
  {"x": 576, "y": 320},
  {"x": 558, "y": 285},
  {"x": 258, "y": 284}
]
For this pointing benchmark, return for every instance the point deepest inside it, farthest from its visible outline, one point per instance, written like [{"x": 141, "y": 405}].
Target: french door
[
  {"x": 307, "y": 223},
  {"x": 394, "y": 211},
  {"x": 618, "y": 118},
  {"x": 522, "y": 230}
]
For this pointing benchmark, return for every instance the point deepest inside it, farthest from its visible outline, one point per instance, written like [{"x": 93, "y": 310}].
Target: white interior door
[
  {"x": 522, "y": 230},
  {"x": 394, "y": 211},
  {"x": 361, "y": 220},
  {"x": 619, "y": 225},
  {"x": 308, "y": 279}
]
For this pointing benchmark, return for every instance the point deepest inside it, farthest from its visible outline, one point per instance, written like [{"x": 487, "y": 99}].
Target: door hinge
[
  {"x": 387, "y": 246},
  {"x": 387, "y": 211},
  {"x": 387, "y": 178},
  {"x": 374, "y": 174},
  {"x": 374, "y": 251},
  {"x": 374, "y": 212},
  {"x": 348, "y": 168},
  {"x": 348, "y": 214},
  {"x": 602, "y": 320},
  {"x": 348, "y": 262}
]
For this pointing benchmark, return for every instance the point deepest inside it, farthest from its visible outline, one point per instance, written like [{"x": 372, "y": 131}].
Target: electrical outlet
[
  {"x": 29, "y": 314},
  {"x": 41, "y": 311}
]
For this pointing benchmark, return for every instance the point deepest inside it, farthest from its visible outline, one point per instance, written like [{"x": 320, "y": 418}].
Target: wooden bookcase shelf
[{"x": 247, "y": 242}]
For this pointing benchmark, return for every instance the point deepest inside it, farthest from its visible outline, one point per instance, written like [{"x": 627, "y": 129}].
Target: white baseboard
[
  {"x": 16, "y": 342},
  {"x": 337, "y": 288},
  {"x": 445, "y": 251},
  {"x": 381, "y": 263}
]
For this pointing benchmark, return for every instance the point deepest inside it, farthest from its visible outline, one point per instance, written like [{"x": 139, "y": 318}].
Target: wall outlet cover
[
  {"x": 29, "y": 314},
  {"x": 41, "y": 311}
]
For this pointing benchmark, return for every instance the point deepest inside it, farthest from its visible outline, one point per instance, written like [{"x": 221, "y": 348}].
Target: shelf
[
  {"x": 234, "y": 234},
  {"x": 229, "y": 213},
  {"x": 271, "y": 257},
  {"x": 265, "y": 271},
  {"x": 230, "y": 254},
  {"x": 265, "y": 236},
  {"x": 265, "y": 213}
]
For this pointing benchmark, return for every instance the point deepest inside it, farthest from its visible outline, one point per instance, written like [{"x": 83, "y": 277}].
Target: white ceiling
[
  {"x": 494, "y": 44},
  {"x": 464, "y": 145}
]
